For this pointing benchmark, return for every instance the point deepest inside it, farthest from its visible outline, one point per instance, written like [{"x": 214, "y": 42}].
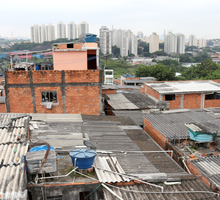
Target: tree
[
  {"x": 115, "y": 50},
  {"x": 131, "y": 55},
  {"x": 147, "y": 54},
  {"x": 159, "y": 71}
]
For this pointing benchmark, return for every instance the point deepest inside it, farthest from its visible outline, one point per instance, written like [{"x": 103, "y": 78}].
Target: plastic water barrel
[
  {"x": 85, "y": 158},
  {"x": 90, "y": 37}
]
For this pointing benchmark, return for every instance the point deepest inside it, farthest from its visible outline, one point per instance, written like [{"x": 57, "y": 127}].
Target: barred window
[{"x": 49, "y": 96}]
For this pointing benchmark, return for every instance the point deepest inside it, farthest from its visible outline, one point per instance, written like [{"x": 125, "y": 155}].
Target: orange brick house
[
  {"x": 73, "y": 87},
  {"x": 186, "y": 94}
]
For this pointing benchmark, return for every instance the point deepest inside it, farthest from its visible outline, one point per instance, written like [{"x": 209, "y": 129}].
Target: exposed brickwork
[
  {"x": 62, "y": 46},
  {"x": 156, "y": 135},
  {"x": 20, "y": 100},
  {"x": 42, "y": 108},
  {"x": 45, "y": 76},
  {"x": 78, "y": 99},
  {"x": 192, "y": 101},
  {"x": 83, "y": 100},
  {"x": 18, "y": 77},
  {"x": 132, "y": 78},
  {"x": 81, "y": 76},
  {"x": 175, "y": 104},
  {"x": 2, "y": 108},
  {"x": 153, "y": 93},
  {"x": 212, "y": 103},
  {"x": 107, "y": 91}
]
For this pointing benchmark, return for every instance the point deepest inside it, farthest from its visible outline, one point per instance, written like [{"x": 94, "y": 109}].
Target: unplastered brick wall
[
  {"x": 156, "y": 135},
  {"x": 153, "y": 93},
  {"x": 82, "y": 76},
  {"x": 2, "y": 108},
  {"x": 174, "y": 104},
  {"x": 107, "y": 91},
  {"x": 192, "y": 101},
  {"x": 78, "y": 92},
  {"x": 212, "y": 103}
]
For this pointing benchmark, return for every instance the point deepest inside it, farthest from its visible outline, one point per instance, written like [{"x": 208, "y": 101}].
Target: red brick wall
[
  {"x": 175, "y": 104},
  {"x": 42, "y": 108},
  {"x": 212, "y": 103},
  {"x": 18, "y": 77},
  {"x": 83, "y": 100},
  {"x": 157, "y": 136},
  {"x": 20, "y": 100},
  {"x": 107, "y": 91},
  {"x": 192, "y": 101},
  {"x": 153, "y": 93},
  {"x": 78, "y": 99},
  {"x": 2, "y": 108},
  {"x": 132, "y": 78},
  {"x": 82, "y": 76},
  {"x": 45, "y": 76}
]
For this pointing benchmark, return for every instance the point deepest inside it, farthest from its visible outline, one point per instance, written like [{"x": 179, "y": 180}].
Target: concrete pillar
[
  {"x": 181, "y": 102},
  {"x": 202, "y": 100},
  {"x": 161, "y": 97}
]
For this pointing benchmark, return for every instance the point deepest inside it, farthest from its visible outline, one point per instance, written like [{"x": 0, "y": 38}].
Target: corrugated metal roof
[
  {"x": 143, "y": 192},
  {"x": 13, "y": 147},
  {"x": 110, "y": 164},
  {"x": 120, "y": 102},
  {"x": 209, "y": 167},
  {"x": 172, "y": 126}
]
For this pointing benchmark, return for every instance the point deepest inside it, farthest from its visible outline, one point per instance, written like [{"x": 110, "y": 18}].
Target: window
[
  {"x": 49, "y": 96},
  {"x": 69, "y": 46},
  {"x": 169, "y": 97},
  {"x": 55, "y": 198},
  {"x": 214, "y": 95}
]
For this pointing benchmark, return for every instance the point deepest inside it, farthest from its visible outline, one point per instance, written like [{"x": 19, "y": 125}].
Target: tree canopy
[{"x": 159, "y": 71}]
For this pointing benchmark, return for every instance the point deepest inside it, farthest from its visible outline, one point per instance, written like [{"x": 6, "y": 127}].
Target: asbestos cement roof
[
  {"x": 185, "y": 87},
  {"x": 210, "y": 168},
  {"x": 130, "y": 101},
  {"x": 13, "y": 147},
  {"x": 120, "y": 102},
  {"x": 136, "y": 115},
  {"x": 171, "y": 192},
  {"x": 172, "y": 125}
]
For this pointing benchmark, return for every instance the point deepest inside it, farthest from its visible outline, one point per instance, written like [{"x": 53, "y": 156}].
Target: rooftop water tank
[
  {"x": 84, "y": 158},
  {"x": 90, "y": 37}
]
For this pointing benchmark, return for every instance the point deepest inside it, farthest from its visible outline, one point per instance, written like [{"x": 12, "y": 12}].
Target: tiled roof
[
  {"x": 13, "y": 147},
  {"x": 171, "y": 125}
]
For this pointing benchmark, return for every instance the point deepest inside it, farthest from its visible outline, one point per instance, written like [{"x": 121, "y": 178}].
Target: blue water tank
[
  {"x": 90, "y": 37},
  {"x": 85, "y": 158},
  {"x": 37, "y": 67}
]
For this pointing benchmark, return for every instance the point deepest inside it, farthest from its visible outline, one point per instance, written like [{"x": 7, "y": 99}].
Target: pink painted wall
[
  {"x": 90, "y": 44},
  {"x": 71, "y": 60}
]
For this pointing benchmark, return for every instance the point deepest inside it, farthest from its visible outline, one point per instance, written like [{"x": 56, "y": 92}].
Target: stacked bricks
[
  {"x": 46, "y": 76},
  {"x": 82, "y": 76},
  {"x": 212, "y": 103}
]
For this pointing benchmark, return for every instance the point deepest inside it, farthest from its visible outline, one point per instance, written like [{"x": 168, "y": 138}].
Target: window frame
[{"x": 51, "y": 93}]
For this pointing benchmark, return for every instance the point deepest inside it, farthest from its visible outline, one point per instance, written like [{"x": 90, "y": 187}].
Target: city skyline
[{"x": 188, "y": 17}]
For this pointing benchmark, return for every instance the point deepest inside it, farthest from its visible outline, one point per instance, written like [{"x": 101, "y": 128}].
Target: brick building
[
  {"x": 73, "y": 87},
  {"x": 186, "y": 94}
]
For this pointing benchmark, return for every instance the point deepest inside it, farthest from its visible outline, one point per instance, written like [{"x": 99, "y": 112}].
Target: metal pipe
[
  {"x": 111, "y": 191},
  {"x": 109, "y": 151},
  {"x": 130, "y": 177},
  {"x": 56, "y": 176},
  {"x": 186, "y": 165}
]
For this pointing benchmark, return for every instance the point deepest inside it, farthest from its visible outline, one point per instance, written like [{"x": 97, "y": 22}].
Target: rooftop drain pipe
[
  {"x": 183, "y": 160},
  {"x": 162, "y": 189}
]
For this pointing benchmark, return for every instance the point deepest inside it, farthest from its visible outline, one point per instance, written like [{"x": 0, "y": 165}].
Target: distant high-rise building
[
  {"x": 105, "y": 40},
  {"x": 50, "y": 32},
  {"x": 61, "y": 30},
  {"x": 154, "y": 43},
  {"x": 202, "y": 43},
  {"x": 192, "y": 40},
  {"x": 126, "y": 41},
  {"x": 34, "y": 33},
  {"x": 83, "y": 28},
  {"x": 71, "y": 31},
  {"x": 140, "y": 35},
  {"x": 42, "y": 33},
  {"x": 180, "y": 43},
  {"x": 170, "y": 43}
]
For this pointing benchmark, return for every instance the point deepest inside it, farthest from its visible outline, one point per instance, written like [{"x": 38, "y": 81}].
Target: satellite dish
[
  {"x": 16, "y": 58},
  {"x": 89, "y": 144},
  {"x": 82, "y": 37}
]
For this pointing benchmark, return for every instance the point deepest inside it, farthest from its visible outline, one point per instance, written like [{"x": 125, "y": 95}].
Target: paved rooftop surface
[{"x": 185, "y": 87}]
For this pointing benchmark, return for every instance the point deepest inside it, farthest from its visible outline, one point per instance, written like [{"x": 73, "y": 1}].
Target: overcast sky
[{"x": 198, "y": 17}]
